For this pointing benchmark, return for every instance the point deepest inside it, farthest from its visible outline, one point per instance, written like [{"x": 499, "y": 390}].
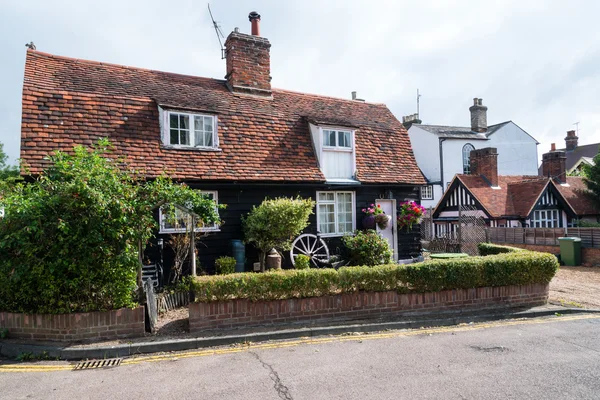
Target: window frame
[
  {"x": 336, "y": 147},
  {"x": 213, "y": 228},
  {"x": 466, "y": 162},
  {"x": 335, "y": 211},
  {"x": 429, "y": 189},
  {"x": 166, "y": 126},
  {"x": 548, "y": 219}
]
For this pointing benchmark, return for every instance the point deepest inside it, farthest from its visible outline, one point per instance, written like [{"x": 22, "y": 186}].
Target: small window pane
[
  {"x": 198, "y": 123},
  {"x": 344, "y": 139},
  {"x": 184, "y": 122},
  {"x": 198, "y": 138},
  {"x": 184, "y": 137},
  {"x": 208, "y": 124},
  {"x": 173, "y": 121},
  {"x": 174, "y": 139},
  {"x": 208, "y": 139}
]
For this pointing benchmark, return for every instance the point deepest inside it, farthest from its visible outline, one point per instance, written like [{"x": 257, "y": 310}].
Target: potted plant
[{"x": 410, "y": 213}]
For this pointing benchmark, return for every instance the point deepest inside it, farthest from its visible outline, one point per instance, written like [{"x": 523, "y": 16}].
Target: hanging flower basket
[
  {"x": 410, "y": 213},
  {"x": 382, "y": 221},
  {"x": 368, "y": 222}
]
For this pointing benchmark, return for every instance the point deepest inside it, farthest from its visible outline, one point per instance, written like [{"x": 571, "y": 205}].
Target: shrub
[
  {"x": 274, "y": 223},
  {"x": 367, "y": 248},
  {"x": 69, "y": 240},
  {"x": 488, "y": 249},
  {"x": 520, "y": 268},
  {"x": 302, "y": 261},
  {"x": 225, "y": 265}
]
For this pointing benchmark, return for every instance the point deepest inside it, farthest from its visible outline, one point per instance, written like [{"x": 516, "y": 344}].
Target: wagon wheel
[{"x": 311, "y": 246}]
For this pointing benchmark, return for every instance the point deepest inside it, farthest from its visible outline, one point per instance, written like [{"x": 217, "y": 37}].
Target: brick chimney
[
  {"x": 409, "y": 120},
  {"x": 553, "y": 165},
  {"x": 478, "y": 116},
  {"x": 484, "y": 162},
  {"x": 248, "y": 61},
  {"x": 571, "y": 140}
]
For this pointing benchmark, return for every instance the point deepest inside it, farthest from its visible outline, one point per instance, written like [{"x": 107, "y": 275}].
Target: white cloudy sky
[{"x": 534, "y": 62}]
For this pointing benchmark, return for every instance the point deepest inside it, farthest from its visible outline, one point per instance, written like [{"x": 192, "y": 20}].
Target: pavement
[
  {"x": 538, "y": 358},
  {"x": 154, "y": 344}
]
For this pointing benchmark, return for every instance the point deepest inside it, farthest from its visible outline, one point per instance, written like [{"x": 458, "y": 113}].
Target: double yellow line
[{"x": 356, "y": 337}]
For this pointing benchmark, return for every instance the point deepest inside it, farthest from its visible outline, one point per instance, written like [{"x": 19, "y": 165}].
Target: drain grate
[{"x": 95, "y": 364}]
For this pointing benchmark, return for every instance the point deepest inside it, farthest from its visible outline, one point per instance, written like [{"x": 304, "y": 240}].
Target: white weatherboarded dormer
[{"x": 335, "y": 148}]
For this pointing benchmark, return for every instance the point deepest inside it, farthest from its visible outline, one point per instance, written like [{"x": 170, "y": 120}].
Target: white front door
[{"x": 389, "y": 233}]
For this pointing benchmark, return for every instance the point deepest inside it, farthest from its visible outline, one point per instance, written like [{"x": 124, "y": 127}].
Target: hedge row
[
  {"x": 520, "y": 268},
  {"x": 488, "y": 249}
]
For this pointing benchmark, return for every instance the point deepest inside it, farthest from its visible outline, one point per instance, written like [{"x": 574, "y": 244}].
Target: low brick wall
[
  {"x": 362, "y": 305},
  {"x": 590, "y": 256},
  {"x": 122, "y": 323}
]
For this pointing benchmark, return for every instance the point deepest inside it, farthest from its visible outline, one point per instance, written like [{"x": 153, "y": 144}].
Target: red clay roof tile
[{"x": 68, "y": 101}]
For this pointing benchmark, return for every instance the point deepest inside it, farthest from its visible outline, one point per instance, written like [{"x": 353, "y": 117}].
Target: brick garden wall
[
  {"x": 114, "y": 324},
  {"x": 590, "y": 256},
  {"x": 363, "y": 305}
]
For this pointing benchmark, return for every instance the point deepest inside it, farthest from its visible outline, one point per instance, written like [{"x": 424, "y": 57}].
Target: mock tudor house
[
  {"x": 576, "y": 156},
  {"x": 443, "y": 151},
  {"x": 554, "y": 200},
  {"x": 238, "y": 139}
]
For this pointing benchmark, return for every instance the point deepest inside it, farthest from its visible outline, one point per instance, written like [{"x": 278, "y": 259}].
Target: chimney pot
[
  {"x": 553, "y": 147},
  {"x": 254, "y": 18},
  {"x": 236, "y": 29},
  {"x": 353, "y": 95}
]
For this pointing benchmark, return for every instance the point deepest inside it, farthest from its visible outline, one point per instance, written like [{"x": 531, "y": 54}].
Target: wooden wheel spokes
[{"x": 311, "y": 246}]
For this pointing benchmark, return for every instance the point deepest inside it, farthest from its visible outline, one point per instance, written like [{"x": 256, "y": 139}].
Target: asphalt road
[{"x": 552, "y": 358}]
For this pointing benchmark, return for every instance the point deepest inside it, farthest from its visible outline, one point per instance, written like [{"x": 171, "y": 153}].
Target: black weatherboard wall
[{"x": 240, "y": 198}]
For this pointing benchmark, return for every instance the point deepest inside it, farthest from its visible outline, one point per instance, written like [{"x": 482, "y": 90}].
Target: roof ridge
[
  {"x": 328, "y": 97},
  {"x": 94, "y": 62}
]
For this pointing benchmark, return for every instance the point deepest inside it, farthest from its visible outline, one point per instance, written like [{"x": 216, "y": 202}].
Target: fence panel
[{"x": 590, "y": 237}]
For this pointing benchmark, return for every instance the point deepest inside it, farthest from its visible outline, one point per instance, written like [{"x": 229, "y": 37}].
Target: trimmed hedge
[
  {"x": 488, "y": 249},
  {"x": 520, "y": 268}
]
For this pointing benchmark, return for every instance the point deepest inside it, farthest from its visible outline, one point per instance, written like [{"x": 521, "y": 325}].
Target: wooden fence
[{"x": 590, "y": 237}]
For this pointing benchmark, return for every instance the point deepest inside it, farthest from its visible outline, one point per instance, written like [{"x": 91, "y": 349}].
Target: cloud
[{"x": 533, "y": 62}]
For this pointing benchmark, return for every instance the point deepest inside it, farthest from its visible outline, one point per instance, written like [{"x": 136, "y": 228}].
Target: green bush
[
  {"x": 520, "y": 268},
  {"x": 488, "y": 249},
  {"x": 225, "y": 265},
  {"x": 367, "y": 248},
  {"x": 69, "y": 239},
  {"x": 275, "y": 222},
  {"x": 302, "y": 261}
]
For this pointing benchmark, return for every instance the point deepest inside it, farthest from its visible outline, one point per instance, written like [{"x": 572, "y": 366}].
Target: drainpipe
[{"x": 442, "y": 140}]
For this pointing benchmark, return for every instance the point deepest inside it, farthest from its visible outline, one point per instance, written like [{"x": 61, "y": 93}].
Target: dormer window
[
  {"x": 182, "y": 129},
  {"x": 336, "y": 152}
]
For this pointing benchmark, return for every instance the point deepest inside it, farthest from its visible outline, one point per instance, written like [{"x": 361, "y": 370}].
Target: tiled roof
[
  {"x": 518, "y": 194},
  {"x": 578, "y": 197},
  {"x": 460, "y": 132},
  {"x": 68, "y": 101}
]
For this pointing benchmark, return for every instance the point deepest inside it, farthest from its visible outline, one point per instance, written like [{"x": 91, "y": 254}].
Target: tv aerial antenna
[{"x": 218, "y": 32}]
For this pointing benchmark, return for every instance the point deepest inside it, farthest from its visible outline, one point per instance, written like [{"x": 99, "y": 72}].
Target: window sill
[
  {"x": 338, "y": 149},
  {"x": 174, "y": 231},
  {"x": 190, "y": 148},
  {"x": 332, "y": 235}
]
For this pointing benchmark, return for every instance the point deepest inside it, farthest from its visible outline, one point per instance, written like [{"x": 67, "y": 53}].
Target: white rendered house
[{"x": 443, "y": 151}]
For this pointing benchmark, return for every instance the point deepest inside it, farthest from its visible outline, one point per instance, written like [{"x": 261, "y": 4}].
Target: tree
[
  {"x": 6, "y": 171},
  {"x": 70, "y": 240},
  {"x": 591, "y": 177},
  {"x": 274, "y": 223}
]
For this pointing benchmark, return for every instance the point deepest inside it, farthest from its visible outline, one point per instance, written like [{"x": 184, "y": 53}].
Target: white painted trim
[
  {"x": 335, "y": 211},
  {"x": 166, "y": 129}
]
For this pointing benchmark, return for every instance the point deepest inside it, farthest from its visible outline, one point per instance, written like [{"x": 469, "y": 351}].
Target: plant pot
[
  {"x": 382, "y": 221},
  {"x": 368, "y": 222}
]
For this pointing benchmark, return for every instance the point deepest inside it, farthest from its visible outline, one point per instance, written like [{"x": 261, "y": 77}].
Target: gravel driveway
[{"x": 576, "y": 286}]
